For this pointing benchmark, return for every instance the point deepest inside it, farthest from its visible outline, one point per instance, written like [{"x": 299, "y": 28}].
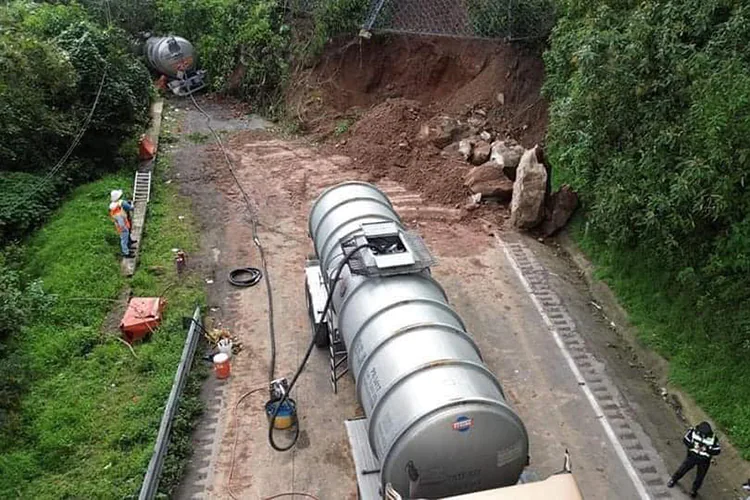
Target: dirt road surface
[{"x": 525, "y": 307}]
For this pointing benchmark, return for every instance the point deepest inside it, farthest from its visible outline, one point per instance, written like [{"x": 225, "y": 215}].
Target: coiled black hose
[{"x": 245, "y": 276}]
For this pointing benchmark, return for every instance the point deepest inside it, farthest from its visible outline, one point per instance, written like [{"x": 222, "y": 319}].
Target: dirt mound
[
  {"x": 383, "y": 143},
  {"x": 389, "y": 86}
]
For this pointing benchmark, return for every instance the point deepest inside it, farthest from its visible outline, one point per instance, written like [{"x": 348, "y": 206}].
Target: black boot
[{"x": 670, "y": 483}]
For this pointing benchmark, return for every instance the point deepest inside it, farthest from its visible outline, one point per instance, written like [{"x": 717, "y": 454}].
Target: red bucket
[{"x": 221, "y": 365}]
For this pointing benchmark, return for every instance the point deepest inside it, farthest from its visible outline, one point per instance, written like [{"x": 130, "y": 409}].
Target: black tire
[{"x": 320, "y": 335}]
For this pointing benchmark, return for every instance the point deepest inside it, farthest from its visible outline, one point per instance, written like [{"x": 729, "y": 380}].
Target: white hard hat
[{"x": 115, "y": 195}]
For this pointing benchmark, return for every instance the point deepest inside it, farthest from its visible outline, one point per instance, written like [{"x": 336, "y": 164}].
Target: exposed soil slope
[{"x": 388, "y": 87}]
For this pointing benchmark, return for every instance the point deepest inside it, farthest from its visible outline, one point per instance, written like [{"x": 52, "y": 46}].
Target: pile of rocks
[{"x": 503, "y": 171}]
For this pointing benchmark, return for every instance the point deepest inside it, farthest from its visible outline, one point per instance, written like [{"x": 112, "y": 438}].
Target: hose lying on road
[
  {"x": 310, "y": 347},
  {"x": 237, "y": 276},
  {"x": 254, "y": 279},
  {"x": 256, "y": 239}
]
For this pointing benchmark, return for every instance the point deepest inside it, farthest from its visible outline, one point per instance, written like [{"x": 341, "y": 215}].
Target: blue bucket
[{"x": 287, "y": 415}]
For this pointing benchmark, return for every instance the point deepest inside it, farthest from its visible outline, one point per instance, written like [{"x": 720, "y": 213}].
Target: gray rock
[
  {"x": 481, "y": 153},
  {"x": 466, "y": 148},
  {"x": 529, "y": 189},
  {"x": 441, "y": 131},
  {"x": 507, "y": 155},
  {"x": 490, "y": 182},
  {"x": 560, "y": 208},
  {"x": 473, "y": 202},
  {"x": 485, "y": 136}
]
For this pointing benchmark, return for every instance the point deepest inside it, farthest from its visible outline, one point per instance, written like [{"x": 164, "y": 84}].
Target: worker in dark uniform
[{"x": 702, "y": 444}]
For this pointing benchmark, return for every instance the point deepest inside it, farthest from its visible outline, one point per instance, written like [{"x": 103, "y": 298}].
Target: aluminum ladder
[{"x": 142, "y": 188}]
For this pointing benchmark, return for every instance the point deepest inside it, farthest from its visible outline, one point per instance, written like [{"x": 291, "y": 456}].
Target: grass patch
[
  {"x": 90, "y": 410},
  {"x": 667, "y": 320},
  {"x": 197, "y": 137},
  {"x": 342, "y": 127}
]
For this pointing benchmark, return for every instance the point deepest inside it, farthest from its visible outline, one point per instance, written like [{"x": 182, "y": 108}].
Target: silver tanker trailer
[
  {"x": 437, "y": 423},
  {"x": 174, "y": 57}
]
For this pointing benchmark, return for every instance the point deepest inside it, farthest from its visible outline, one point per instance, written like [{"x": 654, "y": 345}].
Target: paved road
[{"x": 496, "y": 284}]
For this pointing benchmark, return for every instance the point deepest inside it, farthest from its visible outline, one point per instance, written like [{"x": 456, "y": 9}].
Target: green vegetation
[
  {"x": 84, "y": 413},
  {"x": 514, "y": 20},
  {"x": 343, "y": 126},
  {"x": 52, "y": 58},
  {"x": 198, "y": 137},
  {"x": 243, "y": 45},
  {"x": 335, "y": 18},
  {"x": 649, "y": 123}
]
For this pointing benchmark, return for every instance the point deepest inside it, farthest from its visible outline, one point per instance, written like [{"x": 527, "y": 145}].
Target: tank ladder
[{"x": 339, "y": 359}]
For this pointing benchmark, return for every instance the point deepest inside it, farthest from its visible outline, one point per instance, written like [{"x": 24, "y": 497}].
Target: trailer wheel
[{"x": 320, "y": 335}]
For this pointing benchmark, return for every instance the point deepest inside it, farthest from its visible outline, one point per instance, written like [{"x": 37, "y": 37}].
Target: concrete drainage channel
[{"x": 632, "y": 445}]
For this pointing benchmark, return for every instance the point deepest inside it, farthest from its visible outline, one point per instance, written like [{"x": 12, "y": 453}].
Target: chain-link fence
[
  {"x": 508, "y": 19},
  {"x": 493, "y": 19}
]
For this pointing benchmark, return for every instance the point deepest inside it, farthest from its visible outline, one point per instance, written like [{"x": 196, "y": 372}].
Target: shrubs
[
  {"x": 243, "y": 45},
  {"x": 512, "y": 19},
  {"x": 334, "y": 18},
  {"x": 649, "y": 123},
  {"x": 52, "y": 58}
]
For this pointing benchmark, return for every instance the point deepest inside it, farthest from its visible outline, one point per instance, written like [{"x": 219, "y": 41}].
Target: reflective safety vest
[
  {"x": 703, "y": 446},
  {"x": 119, "y": 216}
]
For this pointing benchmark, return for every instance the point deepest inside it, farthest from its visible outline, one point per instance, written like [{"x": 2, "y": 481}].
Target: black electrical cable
[
  {"x": 310, "y": 347},
  {"x": 253, "y": 274},
  {"x": 264, "y": 267},
  {"x": 256, "y": 239}
]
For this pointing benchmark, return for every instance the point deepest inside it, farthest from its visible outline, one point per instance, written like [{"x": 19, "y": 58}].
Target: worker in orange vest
[{"x": 119, "y": 212}]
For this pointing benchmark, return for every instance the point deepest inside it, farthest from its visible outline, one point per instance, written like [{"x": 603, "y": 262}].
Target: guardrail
[{"x": 153, "y": 473}]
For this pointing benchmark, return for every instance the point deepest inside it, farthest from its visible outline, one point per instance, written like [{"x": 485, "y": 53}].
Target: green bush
[
  {"x": 242, "y": 44},
  {"x": 134, "y": 16},
  {"x": 650, "y": 116},
  {"x": 514, "y": 19},
  {"x": 26, "y": 199},
  {"x": 334, "y": 18},
  {"x": 52, "y": 58}
]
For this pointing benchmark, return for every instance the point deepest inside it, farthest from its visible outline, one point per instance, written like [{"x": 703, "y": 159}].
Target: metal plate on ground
[{"x": 365, "y": 463}]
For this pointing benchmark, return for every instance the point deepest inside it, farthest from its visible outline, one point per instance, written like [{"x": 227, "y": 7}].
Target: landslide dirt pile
[{"x": 401, "y": 105}]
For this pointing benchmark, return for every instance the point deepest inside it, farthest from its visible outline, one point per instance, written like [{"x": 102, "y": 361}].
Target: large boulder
[
  {"x": 529, "y": 190},
  {"x": 440, "y": 131},
  {"x": 490, "y": 182},
  {"x": 481, "y": 153},
  {"x": 560, "y": 209}
]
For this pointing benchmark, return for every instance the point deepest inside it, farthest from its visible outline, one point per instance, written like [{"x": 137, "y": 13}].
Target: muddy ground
[{"x": 499, "y": 281}]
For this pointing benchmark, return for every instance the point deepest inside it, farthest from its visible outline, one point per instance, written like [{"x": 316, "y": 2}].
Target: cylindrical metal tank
[
  {"x": 170, "y": 55},
  {"x": 436, "y": 413}
]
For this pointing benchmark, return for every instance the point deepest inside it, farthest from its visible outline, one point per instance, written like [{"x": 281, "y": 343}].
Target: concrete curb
[{"x": 128, "y": 265}]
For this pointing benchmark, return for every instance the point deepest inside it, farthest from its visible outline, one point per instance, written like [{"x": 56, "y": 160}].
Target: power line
[{"x": 75, "y": 142}]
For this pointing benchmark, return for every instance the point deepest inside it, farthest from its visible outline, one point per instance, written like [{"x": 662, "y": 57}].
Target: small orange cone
[{"x": 146, "y": 148}]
